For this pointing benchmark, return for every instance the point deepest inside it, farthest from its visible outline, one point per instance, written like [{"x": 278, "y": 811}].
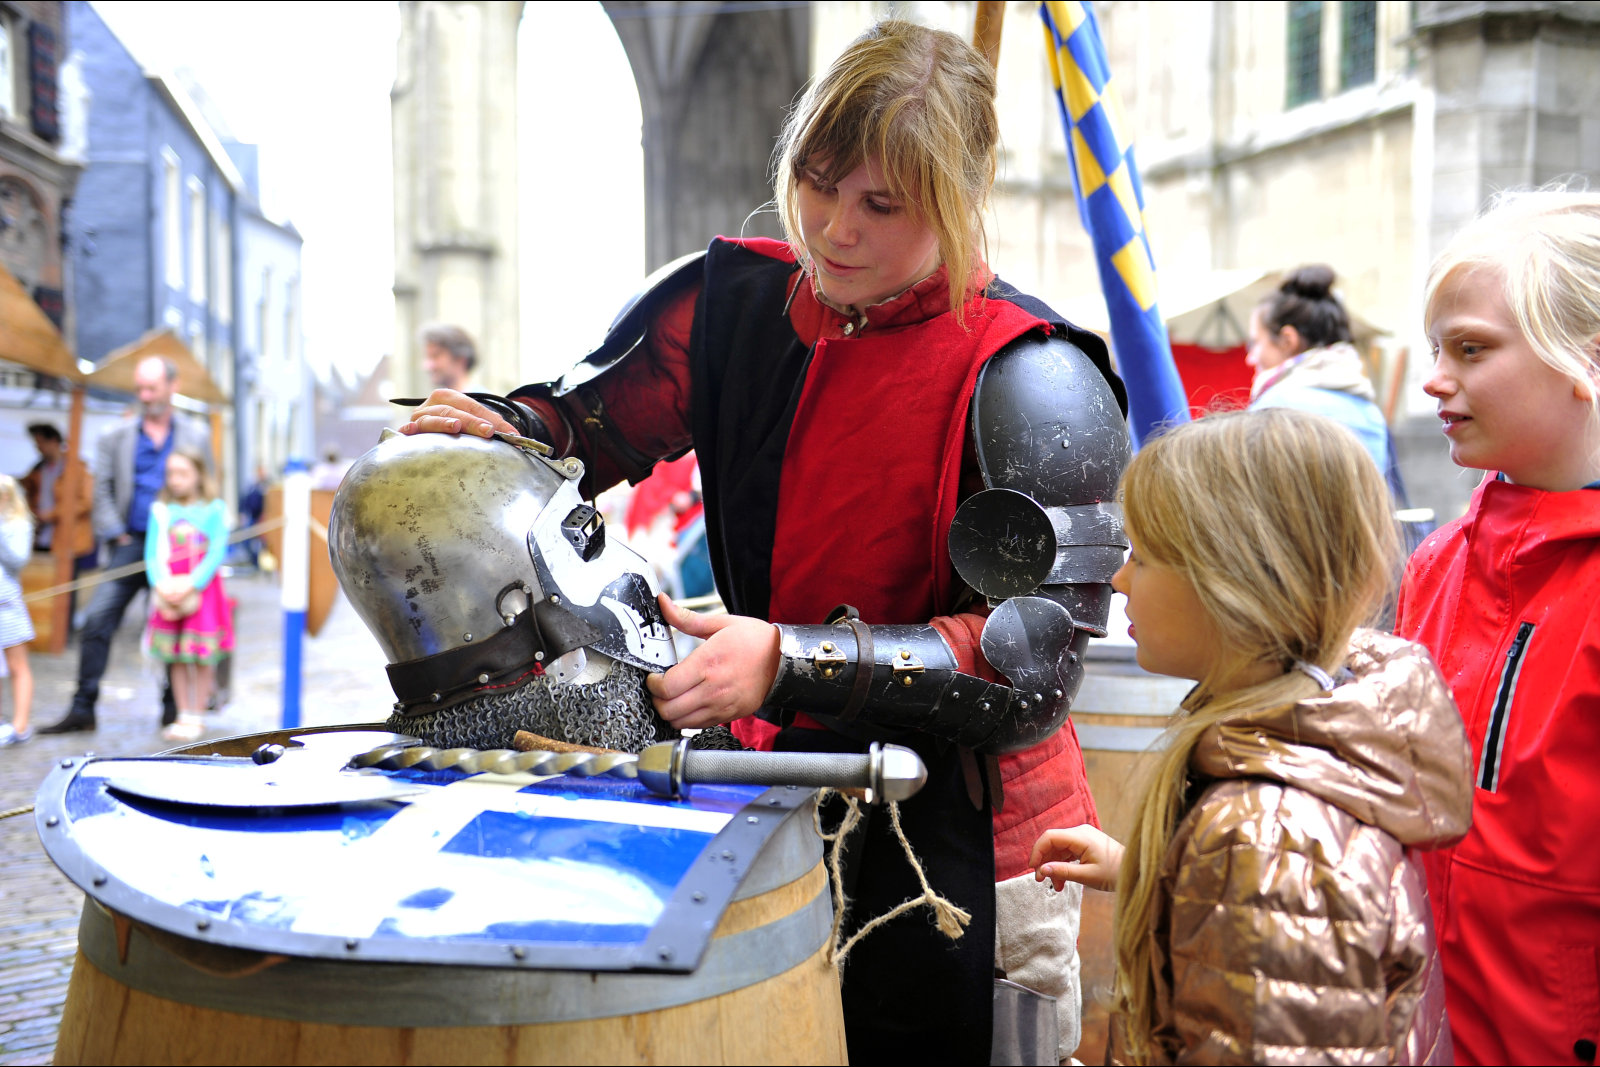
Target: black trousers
[
  {"x": 910, "y": 993},
  {"x": 106, "y": 609}
]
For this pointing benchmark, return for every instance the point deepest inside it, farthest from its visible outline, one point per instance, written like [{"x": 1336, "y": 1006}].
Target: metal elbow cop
[
  {"x": 1041, "y": 543},
  {"x": 479, "y": 568}
]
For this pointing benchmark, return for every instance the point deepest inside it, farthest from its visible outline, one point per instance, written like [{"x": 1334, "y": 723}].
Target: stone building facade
[
  {"x": 1278, "y": 133},
  {"x": 455, "y": 184},
  {"x": 167, "y": 231},
  {"x": 36, "y": 175}
]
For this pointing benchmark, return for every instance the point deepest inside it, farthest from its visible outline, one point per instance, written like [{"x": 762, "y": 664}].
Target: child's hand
[
  {"x": 1083, "y": 854},
  {"x": 174, "y": 588}
]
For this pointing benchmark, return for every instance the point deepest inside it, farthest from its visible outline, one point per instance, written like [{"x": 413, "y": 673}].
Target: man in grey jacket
[{"x": 130, "y": 469}]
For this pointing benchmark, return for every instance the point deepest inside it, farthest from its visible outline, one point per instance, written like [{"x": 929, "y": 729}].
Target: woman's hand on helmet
[
  {"x": 447, "y": 411},
  {"x": 1083, "y": 854},
  {"x": 724, "y": 679}
]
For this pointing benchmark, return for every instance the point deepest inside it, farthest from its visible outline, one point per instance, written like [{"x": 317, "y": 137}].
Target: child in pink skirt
[{"x": 189, "y": 620}]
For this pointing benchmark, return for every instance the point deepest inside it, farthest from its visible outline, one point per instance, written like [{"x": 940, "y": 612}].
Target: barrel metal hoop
[{"x": 350, "y": 993}]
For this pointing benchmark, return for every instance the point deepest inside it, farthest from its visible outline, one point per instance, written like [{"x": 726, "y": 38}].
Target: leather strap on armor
[
  {"x": 538, "y": 635},
  {"x": 848, "y": 616},
  {"x": 911, "y": 683},
  {"x": 634, "y": 465}
]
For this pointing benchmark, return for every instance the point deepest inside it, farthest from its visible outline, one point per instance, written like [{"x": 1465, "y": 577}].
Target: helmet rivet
[
  {"x": 466, "y": 637},
  {"x": 554, "y": 599},
  {"x": 435, "y": 697},
  {"x": 509, "y": 618},
  {"x": 483, "y": 679},
  {"x": 538, "y": 657}
]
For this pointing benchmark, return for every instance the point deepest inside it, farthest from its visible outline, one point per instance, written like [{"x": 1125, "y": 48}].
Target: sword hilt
[{"x": 883, "y": 772}]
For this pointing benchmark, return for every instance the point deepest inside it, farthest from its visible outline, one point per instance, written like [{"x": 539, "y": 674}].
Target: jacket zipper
[{"x": 1494, "y": 741}]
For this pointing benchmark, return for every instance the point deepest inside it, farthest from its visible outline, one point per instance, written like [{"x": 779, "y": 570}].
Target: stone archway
[{"x": 714, "y": 81}]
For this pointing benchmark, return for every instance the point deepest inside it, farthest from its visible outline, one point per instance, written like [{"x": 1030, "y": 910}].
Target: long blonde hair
[
  {"x": 13, "y": 503},
  {"x": 1282, "y": 524},
  {"x": 921, "y": 102},
  {"x": 1545, "y": 246}
]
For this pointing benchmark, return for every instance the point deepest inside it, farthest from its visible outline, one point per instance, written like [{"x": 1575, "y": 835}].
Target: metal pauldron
[{"x": 915, "y": 683}]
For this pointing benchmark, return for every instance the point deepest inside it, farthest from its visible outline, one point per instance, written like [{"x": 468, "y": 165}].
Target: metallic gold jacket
[{"x": 1295, "y": 921}]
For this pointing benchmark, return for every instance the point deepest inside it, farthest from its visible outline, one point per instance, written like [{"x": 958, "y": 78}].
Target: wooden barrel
[
  {"x": 763, "y": 992},
  {"x": 40, "y": 573},
  {"x": 1119, "y": 714}
]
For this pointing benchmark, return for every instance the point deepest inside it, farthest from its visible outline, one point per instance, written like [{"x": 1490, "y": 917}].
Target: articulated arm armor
[{"x": 1041, "y": 543}]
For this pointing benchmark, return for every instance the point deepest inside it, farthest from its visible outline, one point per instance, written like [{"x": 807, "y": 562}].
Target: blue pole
[{"x": 295, "y": 570}]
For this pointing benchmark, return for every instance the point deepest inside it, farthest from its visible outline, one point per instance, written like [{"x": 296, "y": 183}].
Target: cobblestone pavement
[{"x": 344, "y": 682}]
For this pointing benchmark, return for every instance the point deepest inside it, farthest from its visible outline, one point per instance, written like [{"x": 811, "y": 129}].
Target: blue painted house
[{"x": 166, "y": 230}]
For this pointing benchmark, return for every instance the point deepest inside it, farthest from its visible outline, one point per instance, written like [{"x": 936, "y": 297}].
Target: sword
[{"x": 668, "y": 769}]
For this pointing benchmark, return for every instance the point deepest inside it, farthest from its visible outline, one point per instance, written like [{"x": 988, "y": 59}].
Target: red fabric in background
[
  {"x": 1215, "y": 379},
  {"x": 669, "y": 478}
]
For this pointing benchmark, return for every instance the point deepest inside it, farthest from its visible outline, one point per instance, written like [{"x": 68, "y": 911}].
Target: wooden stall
[{"x": 29, "y": 339}]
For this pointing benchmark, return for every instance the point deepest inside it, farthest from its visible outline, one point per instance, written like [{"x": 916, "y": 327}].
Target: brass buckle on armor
[
  {"x": 829, "y": 659},
  {"x": 906, "y": 667}
]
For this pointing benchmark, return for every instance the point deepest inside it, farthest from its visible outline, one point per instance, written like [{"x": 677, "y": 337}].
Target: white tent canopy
[{"x": 1210, "y": 308}]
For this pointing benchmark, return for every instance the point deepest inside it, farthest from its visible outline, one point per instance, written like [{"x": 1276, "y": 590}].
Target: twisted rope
[{"x": 951, "y": 920}]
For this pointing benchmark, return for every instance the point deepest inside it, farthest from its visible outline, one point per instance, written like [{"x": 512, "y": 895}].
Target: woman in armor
[{"x": 846, "y": 389}]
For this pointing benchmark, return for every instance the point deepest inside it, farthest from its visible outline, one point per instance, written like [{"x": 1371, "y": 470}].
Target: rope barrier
[{"x": 101, "y": 577}]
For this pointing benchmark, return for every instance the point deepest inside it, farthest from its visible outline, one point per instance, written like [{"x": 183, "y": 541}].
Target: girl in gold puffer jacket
[{"x": 1270, "y": 905}]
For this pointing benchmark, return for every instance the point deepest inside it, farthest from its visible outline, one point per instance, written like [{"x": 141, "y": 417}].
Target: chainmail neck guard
[{"x": 614, "y": 712}]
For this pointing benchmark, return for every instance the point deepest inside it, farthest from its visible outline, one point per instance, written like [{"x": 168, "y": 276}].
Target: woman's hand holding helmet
[
  {"x": 447, "y": 411},
  {"x": 724, "y": 679}
]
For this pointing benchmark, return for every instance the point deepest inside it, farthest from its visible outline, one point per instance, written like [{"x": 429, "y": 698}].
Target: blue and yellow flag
[{"x": 1111, "y": 203}]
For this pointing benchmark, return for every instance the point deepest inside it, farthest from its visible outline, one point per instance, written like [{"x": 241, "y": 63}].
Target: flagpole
[
  {"x": 986, "y": 25},
  {"x": 1110, "y": 201}
]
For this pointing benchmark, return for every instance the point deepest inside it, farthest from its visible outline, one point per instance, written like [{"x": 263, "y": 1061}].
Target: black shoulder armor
[
  {"x": 622, "y": 340},
  {"x": 628, "y": 328}
]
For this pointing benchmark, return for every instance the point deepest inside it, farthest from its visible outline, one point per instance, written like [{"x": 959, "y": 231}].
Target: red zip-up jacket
[{"x": 1507, "y": 599}]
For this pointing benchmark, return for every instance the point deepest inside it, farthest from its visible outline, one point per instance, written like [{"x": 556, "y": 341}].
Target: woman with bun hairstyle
[
  {"x": 1505, "y": 598},
  {"x": 1269, "y": 906},
  {"x": 1305, "y": 358}
]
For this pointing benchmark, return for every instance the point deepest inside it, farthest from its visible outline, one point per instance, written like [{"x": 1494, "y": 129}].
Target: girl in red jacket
[{"x": 1506, "y": 599}]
